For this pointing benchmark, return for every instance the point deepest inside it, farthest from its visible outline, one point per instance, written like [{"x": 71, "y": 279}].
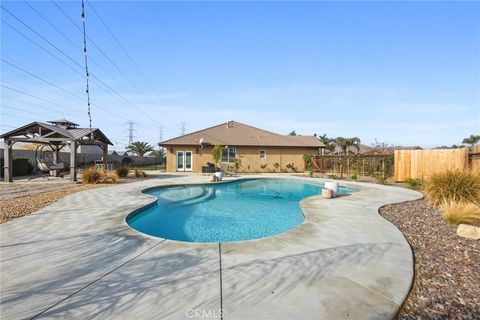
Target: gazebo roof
[
  {"x": 56, "y": 132},
  {"x": 63, "y": 122}
]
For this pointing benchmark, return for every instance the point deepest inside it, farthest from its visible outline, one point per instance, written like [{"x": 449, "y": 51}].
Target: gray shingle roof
[{"x": 72, "y": 133}]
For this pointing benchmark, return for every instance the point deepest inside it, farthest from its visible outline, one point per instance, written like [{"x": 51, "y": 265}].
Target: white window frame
[
  {"x": 228, "y": 155},
  {"x": 184, "y": 161},
  {"x": 264, "y": 154}
]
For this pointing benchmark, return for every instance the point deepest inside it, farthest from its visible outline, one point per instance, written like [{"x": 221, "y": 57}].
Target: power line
[
  {"x": 40, "y": 46},
  {"x": 17, "y": 116},
  {"x": 69, "y": 40},
  {"x": 41, "y": 79},
  {"x": 55, "y": 86},
  {"x": 40, "y": 36},
  {"x": 105, "y": 85},
  {"x": 31, "y": 95},
  {"x": 63, "y": 53},
  {"x": 63, "y": 113},
  {"x": 23, "y": 110},
  {"x": 55, "y": 103},
  {"x": 110, "y": 60},
  {"x": 129, "y": 57}
]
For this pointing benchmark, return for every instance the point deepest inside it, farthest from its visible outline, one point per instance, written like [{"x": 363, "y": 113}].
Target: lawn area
[{"x": 150, "y": 167}]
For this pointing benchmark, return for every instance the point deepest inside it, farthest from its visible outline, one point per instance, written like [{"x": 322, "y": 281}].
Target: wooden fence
[
  {"x": 365, "y": 165},
  {"x": 419, "y": 164}
]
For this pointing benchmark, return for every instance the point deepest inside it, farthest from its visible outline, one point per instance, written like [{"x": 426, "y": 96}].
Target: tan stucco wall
[{"x": 249, "y": 156}]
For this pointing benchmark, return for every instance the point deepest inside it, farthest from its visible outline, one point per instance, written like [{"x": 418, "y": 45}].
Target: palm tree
[
  {"x": 341, "y": 142},
  {"x": 353, "y": 142},
  {"x": 140, "y": 148},
  {"x": 346, "y": 143},
  {"x": 160, "y": 153},
  {"x": 472, "y": 140},
  {"x": 328, "y": 142}
]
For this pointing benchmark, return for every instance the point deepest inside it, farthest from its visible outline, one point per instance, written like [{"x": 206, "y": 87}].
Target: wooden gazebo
[{"x": 56, "y": 134}]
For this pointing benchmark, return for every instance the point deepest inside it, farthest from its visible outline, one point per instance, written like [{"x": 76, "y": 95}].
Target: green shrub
[
  {"x": 454, "y": 185},
  {"x": 354, "y": 173},
  {"x": 381, "y": 179},
  {"x": 415, "y": 184},
  {"x": 311, "y": 172},
  {"x": 122, "y": 171},
  {"x": 20, "y": 167},
  {"x": 308, "y": 160}
]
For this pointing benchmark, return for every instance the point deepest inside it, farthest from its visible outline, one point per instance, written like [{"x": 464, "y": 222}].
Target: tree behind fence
[{"x": 366, "y": 165}]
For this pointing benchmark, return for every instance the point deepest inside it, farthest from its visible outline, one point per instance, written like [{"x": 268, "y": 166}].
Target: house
[{"x": 253, "y": 149}]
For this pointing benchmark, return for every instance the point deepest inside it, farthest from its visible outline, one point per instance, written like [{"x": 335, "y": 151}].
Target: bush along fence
[
  {"x": 24, "y": 161},
  {"x": 358, "y": 164},
  {"x": 21, "y": 167}
]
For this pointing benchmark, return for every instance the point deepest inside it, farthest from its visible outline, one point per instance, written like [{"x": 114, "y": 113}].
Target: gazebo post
[
  {"x": 8, "y": 162},
  {"x": 105, "y": 156},
  {"x": 73, "y": 161},
  {"x": 56, "y": 157}
]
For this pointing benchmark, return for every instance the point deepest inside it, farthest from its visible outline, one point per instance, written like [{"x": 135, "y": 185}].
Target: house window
[
  {"x": 229, "y": 154},
  {"x": 263, "y": 154}
]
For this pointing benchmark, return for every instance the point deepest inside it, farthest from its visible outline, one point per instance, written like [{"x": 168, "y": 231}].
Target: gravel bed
[
  {"x": 447, "y": 267},
  {"x": 21, "y": 206},
  {"x": 14, "y": 190}
]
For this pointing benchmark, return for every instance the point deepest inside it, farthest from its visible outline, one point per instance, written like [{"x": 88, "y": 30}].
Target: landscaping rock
[
  {"x": 468, "y": 231},
  {"x": 16, "y": 204},
  {"x": 447, "y": 272}
]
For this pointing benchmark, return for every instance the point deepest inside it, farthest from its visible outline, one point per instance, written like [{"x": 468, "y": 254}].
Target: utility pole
[
  {"x": 131, "y": 132},
  {"x": 182, "y": 129}
]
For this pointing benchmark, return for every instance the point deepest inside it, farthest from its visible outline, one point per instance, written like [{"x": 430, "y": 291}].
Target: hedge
[{"x": 21, "y": 167}]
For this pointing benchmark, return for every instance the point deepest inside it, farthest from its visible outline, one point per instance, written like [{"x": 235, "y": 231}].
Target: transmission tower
[
  {"x": 182, "y": 129},
  {"x": 160, "y": 134},
  {"x": 131, "y": 132}
]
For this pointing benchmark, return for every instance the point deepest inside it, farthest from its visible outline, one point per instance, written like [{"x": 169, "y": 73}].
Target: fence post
[{"x": 348, "y": 167}]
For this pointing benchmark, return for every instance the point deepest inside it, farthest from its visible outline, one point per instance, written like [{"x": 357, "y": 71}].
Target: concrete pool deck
[{"x": 77, "y": 258}]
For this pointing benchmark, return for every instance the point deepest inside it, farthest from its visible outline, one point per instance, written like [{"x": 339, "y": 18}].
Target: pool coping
[{"x": 25, "y": 253}]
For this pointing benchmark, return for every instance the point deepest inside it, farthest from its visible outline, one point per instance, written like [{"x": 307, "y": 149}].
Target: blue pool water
[{"x": 233, "y": 211}]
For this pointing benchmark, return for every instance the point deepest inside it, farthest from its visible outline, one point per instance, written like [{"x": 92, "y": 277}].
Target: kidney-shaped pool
[{"x": 232, "y": 211}]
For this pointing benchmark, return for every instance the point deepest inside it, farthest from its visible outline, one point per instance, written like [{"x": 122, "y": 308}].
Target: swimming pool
[{"x": 233, "y": 211}]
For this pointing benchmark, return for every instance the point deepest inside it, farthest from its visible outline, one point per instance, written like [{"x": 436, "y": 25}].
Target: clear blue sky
[{"x": 406, "y": 73}]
